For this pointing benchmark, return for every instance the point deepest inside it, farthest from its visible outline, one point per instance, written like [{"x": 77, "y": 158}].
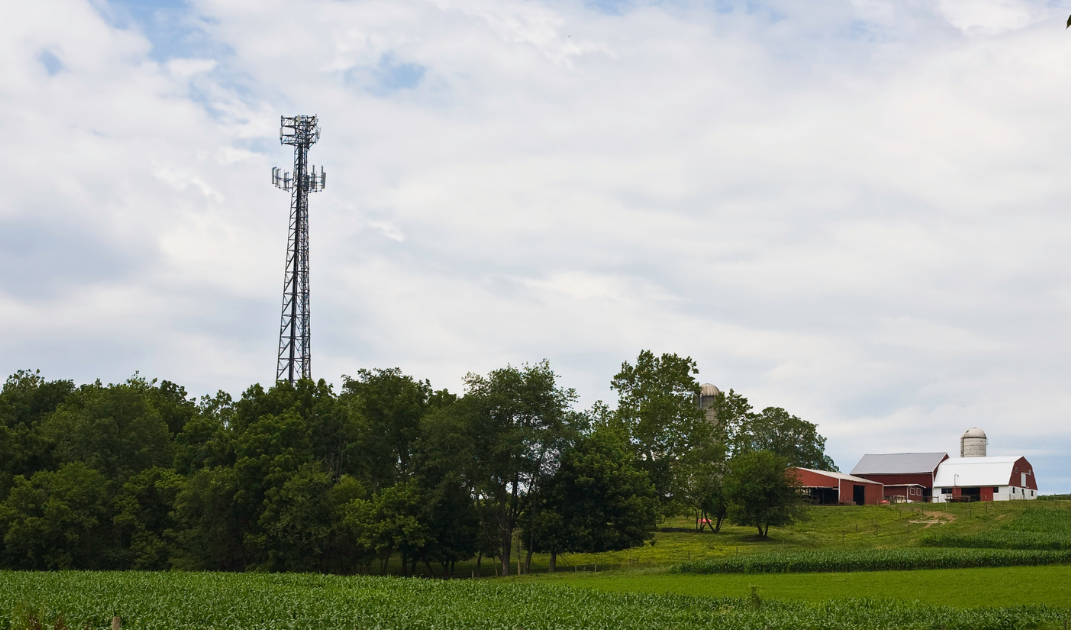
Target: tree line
[{"x": 139, "y": 475}]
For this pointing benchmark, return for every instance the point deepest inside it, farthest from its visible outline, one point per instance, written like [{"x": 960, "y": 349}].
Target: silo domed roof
[
  {"x": 707, "y": 389},
  {"x": 974, "y": 432}
]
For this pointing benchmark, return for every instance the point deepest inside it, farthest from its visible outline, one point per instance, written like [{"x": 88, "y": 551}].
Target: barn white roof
[
  {"x": 898, "y": 463},
  {"x": 975, "y": 471}
]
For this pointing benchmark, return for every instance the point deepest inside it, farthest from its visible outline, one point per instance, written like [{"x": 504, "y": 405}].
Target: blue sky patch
[
  {"x": 613, "y": 7},
  {"x": 170, "y": 25},
  {"x": 51, "y": 63},
  {"x": 392, "y": 76}
]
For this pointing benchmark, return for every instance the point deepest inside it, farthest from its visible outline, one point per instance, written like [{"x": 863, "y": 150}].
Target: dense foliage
[
  {"x": 772, "y": 429},
  {"x": 385, "y": 473},
  {"x": 151, "y": 601},
  {"x": 848, "y": 560},
  {"x": 597, "y": 501},
  {"x": 756, "y": 493}
]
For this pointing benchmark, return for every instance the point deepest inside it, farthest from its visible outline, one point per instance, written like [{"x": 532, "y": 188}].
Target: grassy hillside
[
  {"x": 827, "y": 527},
  {"x": 963, "y": 588}
]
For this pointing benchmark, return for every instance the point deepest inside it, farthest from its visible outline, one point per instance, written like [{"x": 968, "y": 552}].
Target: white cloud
[
  {"x": 853, "y": 210},
  {"x": 991, "y": 16}
]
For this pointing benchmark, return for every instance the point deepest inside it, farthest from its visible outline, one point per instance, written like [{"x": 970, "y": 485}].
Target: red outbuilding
[
  {"x": 904, "y": 493},
  {"x": 831, "y": 488},
  {"x": 896, "y": 469}
]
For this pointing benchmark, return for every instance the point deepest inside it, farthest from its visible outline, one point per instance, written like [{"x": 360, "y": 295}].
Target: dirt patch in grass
[{"x": 936, "y": 518}]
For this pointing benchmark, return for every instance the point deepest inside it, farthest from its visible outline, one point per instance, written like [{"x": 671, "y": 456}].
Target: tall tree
[
  {"x": 516, "y": 422},
  {"x": 206, "y": 440},
  {"x": 390, "y": 522},
  {"x": 56, "y": 520},
  {"x": 780, "y": 432},
  {"x": 389, "y": 406},
  {"x": 173, "y": 405},
  {"x": 115, "y": 429},
  {"x": 296, "y": 529},
  {"x": 596, "y": 501},
  {"x": 702, "y": 479},
  {"x": 143, "y": 521},
  {"x": 25, "y": 401},
  {"x": 211, "y": 528},
  {"x": 760, "y": 493},
  {"x": 658, "y": 410}
]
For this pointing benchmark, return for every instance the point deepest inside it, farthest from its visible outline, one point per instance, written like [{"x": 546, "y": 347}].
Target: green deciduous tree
[
  {"x": 296, "y": 525},
  {"x": 143, "y": 523},
  {"x": 390, "y": 522},
  {"x": 206, "y": 440},
  {"x": 173, "y": 405},
  {"x": 212, "y": 530},
  {"x": 759, "y": 493},
  {"x": 389, "y": 406},
  {"x": 658, "y": 410},
  {"x": 514, "y": 422},
  {"x": 702, "y": 483},
  {"x": 56, "y": 520},
  {"x": 780, "y": 432},
  {"x": 772, "y": 429},
  {"x": 114, "y": 429},
  {"x": 25, "y": 401},
  {"x": 596, "y": 501},
  {"x": 294, "y": 477}
]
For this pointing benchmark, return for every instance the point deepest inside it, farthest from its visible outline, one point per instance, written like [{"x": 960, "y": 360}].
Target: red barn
[
  {"x": 985, "y": 479},
  {"x": 831, "y": 488},
  {"x": 904, "y": 493},
  {"x": 896, "y": 469}
]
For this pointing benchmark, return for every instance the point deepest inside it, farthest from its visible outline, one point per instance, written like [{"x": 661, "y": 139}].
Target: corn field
[
  {"x": 845, "y": 560},
  {"x": 1032, "y": 529},
  {"x": 159, "y": 601}
]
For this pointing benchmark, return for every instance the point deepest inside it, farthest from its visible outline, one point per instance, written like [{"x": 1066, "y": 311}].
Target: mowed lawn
[{"x": 967, "y": 588}]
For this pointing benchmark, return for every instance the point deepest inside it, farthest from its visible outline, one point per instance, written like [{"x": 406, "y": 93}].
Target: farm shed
[
  {"x": 1008, "y": 478},
  {"x": 831, "y": 488},
  {"x": 904, "y": 493},
  {"x": 895, "y": 469}
]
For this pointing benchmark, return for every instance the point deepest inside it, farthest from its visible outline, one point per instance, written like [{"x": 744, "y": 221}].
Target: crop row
[
  {"x": 1037, "y": 528},
  {"x": 999, "y": 539},
  {"x": 152, "y": 601},
  {"x": 844, "y": 561}
]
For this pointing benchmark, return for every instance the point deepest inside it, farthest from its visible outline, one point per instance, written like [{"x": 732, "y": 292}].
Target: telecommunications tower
[{"x": 295, "y": 349}]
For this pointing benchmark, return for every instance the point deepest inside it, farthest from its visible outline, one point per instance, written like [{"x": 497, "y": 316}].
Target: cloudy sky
[{"x": 853, "y": 209}]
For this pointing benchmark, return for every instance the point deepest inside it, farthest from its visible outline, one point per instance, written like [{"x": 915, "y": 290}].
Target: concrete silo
[
  {"x": 707, "y": 393},
  {"x": 973, "y": 443}
]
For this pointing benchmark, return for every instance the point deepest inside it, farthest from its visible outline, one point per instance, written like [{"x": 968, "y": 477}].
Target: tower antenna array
[{"x": 295, "y": 348}]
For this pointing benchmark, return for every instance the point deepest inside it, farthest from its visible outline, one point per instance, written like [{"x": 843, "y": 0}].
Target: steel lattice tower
[{"x": 295, "y": 348}]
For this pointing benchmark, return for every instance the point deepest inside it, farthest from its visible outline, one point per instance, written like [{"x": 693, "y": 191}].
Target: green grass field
[
  {"x": 635, "y": 588},
  {"x": 827, "y": 527},
  {"x": 248, "y": 601},
  {"x": 848, "y": 528},
  {"x": 962, "y": 588}
]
